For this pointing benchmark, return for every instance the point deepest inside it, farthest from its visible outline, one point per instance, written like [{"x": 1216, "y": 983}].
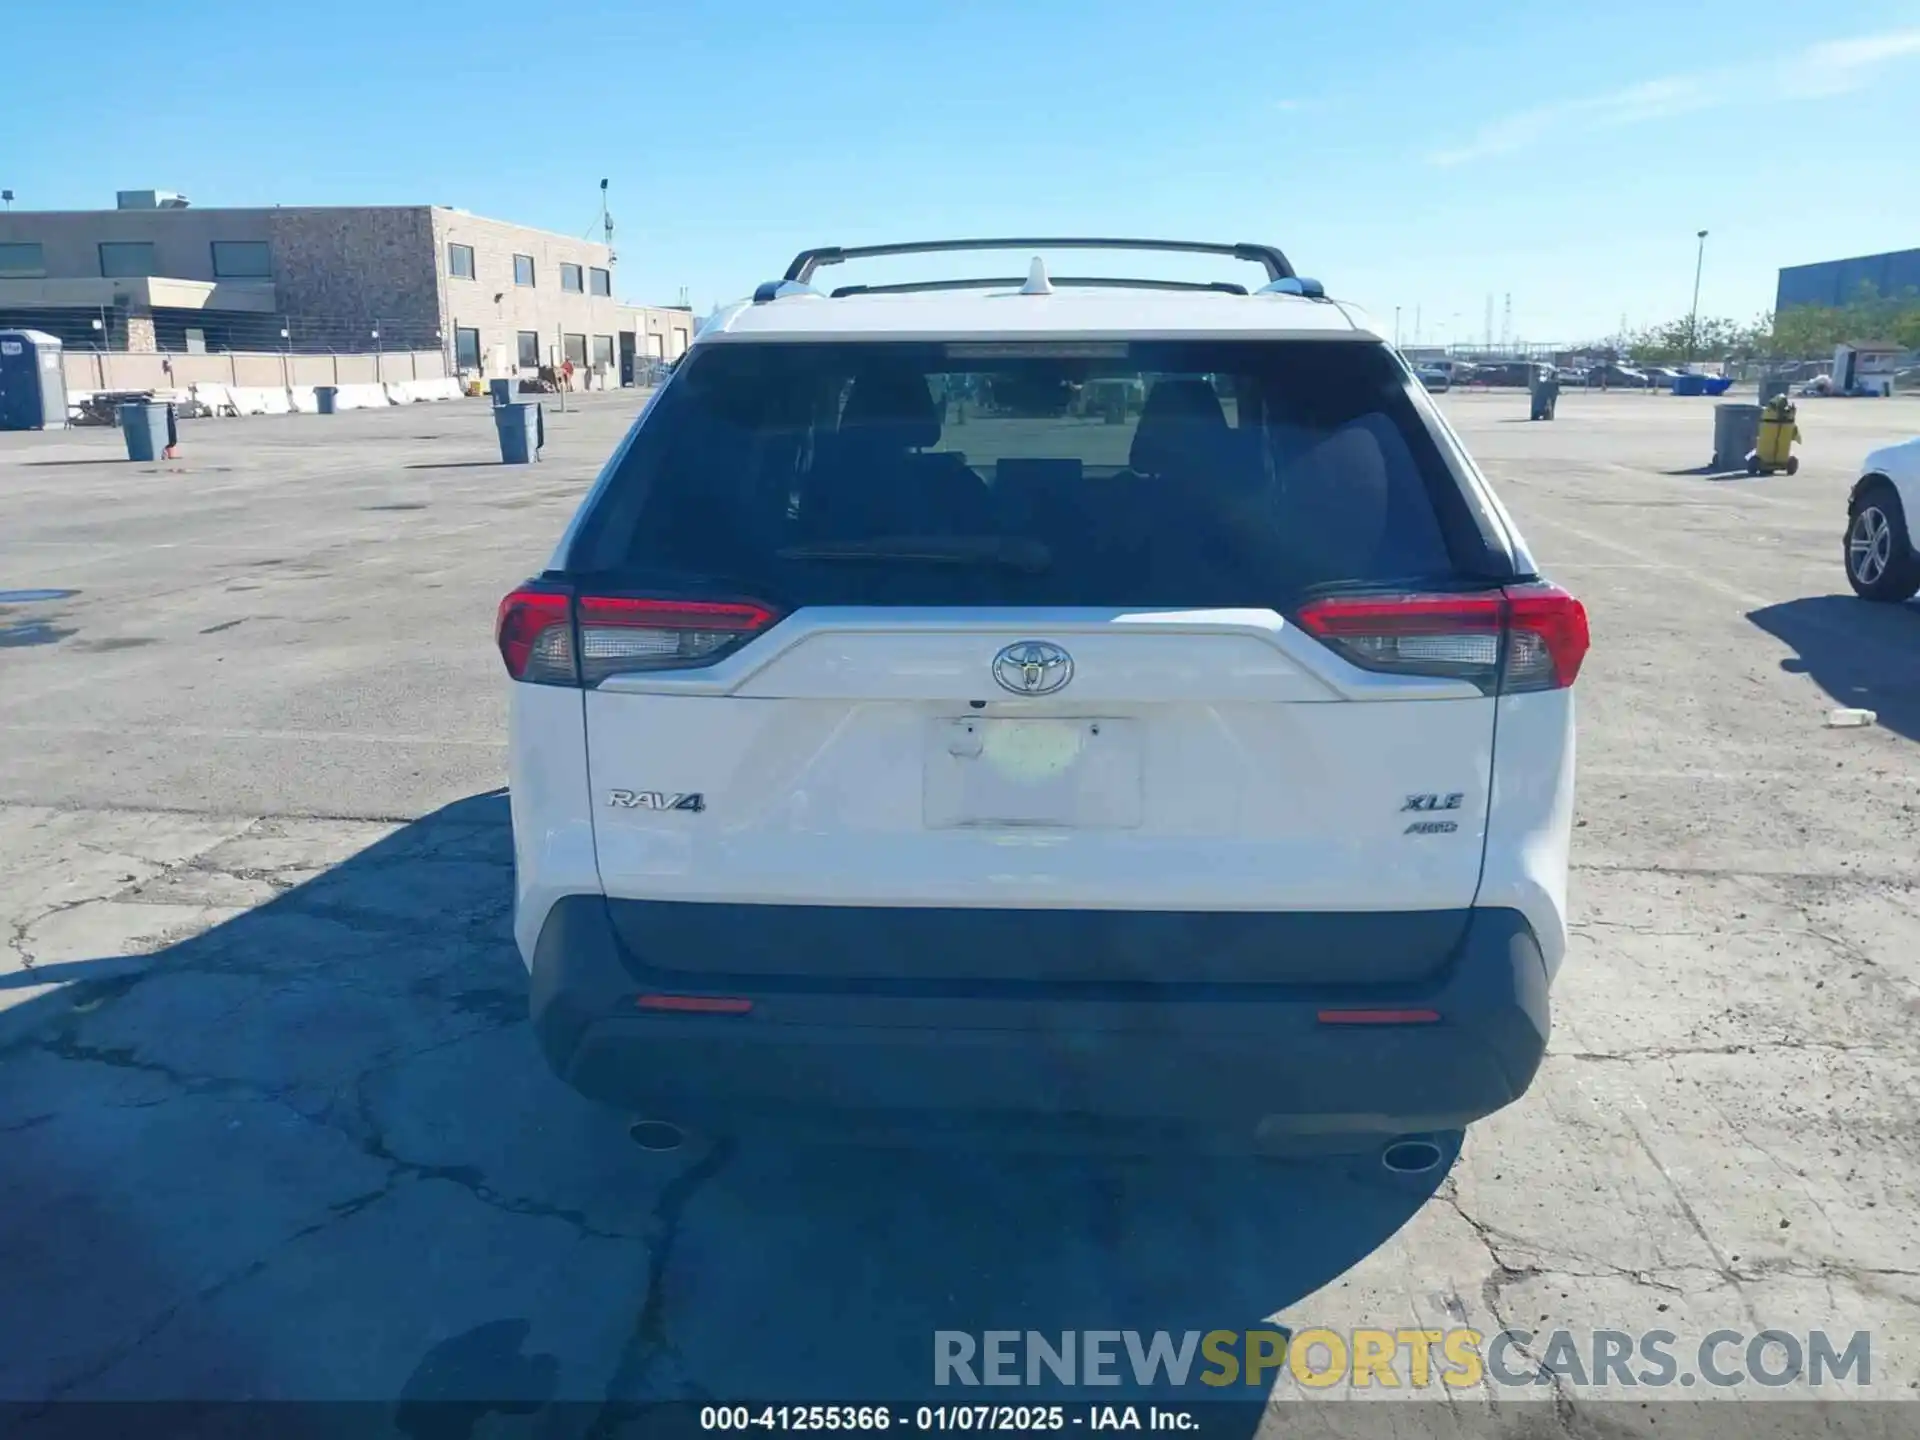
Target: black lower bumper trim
[{"x": 1242, "y": 1064}]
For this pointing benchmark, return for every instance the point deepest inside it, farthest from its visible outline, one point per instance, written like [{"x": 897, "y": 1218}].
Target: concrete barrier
[
  {"x": 398, "y": 393},
  {"x": 259, "y": 400},
  {"x": 212, "y": 399},
  {"x": 362, "y": 397},
  {"x": 302, "y": 399}
]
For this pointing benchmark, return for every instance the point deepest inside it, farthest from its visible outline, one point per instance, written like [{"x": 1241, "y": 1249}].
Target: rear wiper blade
[{"x": 985, "y": 551}]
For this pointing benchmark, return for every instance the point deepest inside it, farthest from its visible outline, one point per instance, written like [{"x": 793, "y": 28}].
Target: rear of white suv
[{"x": 1113, "y": 711}]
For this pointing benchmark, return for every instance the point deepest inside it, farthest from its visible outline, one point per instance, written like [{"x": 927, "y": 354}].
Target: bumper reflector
[
  {"x": 1378, "y": 1017},
  {"x": 696, "y": 1004}
]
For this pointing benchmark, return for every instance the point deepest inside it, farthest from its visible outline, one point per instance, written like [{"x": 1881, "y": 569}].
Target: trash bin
[
  {"x": 149, "y": 429},
  {"x": 523, "y": 431},
  {"x": 501, "y": 390},
  {"x": 1736, "y": 430},
  {"x": 1544, "y": 391},
  {"x": 327, "y": 397}
]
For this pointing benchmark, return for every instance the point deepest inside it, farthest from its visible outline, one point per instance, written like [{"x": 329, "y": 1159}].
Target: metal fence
[
  {"x": 107, "y": 370},
  {"x": 111, "y": 329}
]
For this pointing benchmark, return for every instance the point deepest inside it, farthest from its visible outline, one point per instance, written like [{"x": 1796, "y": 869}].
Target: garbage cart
[
  {"x": 149, "y": 429},
  {"x": 523, "y": 431},
  {"x": 1543, "y": 389},
  {"x": 1736, "y": 430}
]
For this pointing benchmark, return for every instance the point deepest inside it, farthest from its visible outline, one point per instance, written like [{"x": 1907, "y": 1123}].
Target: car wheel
[{"x": 1879, "y": 551}]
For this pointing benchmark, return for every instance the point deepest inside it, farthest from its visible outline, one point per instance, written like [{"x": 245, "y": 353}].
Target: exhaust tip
[
  {"x": 656, "y": 1136},
  {"x": 1412, "y": 1157}
]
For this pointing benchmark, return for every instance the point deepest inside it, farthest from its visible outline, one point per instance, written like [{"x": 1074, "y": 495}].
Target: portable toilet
[{"x": 33, "y": 386}]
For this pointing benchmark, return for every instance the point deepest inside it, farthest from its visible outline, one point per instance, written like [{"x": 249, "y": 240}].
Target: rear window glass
[{"x": 1196, "y": 474}]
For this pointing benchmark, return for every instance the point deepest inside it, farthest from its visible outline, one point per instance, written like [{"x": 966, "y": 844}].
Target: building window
[
  {"x": 602, "y": 281},
  {"x": 570, "y": 279},
  {"x": 22, "y": 260},
  {"x": 523, "y": 270},
  {"x": 466, "y": 348},
  {"x": 124, "y": 258},
  {"x": 241, "y": 260},
  {"x": 529, "y": 349},
  {"x": 576, "y": 351},
  {"x": 460, "y": 262},
  {"x": 603, "y": 352}
]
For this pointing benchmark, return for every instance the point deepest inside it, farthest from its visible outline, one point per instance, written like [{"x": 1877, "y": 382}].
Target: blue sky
[{"x": 1419, "y": 156}]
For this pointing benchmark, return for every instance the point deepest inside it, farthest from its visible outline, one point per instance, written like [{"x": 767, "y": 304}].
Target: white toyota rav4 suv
[{"x": 1105, "y": 706}]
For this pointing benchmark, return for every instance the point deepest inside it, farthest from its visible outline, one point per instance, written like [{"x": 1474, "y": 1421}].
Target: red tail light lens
[
  {"x": 1522, "y": 638},
  {"x": 537, "y": 633},
  {"x": 1547, "y": 638},
  {"x": 534, "y": 631}
]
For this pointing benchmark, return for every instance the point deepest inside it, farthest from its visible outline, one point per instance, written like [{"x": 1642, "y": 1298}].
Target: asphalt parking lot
[{"x": 272, "y": 1124}]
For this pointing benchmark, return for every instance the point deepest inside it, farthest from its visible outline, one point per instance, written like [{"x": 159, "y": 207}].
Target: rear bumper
[{"x": 1235, "y": 1065}]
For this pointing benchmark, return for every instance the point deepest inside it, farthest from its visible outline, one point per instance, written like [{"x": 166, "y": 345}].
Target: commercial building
[
  {"x": 158, "y": 275},
  {"x": 1840, "y": 282}
]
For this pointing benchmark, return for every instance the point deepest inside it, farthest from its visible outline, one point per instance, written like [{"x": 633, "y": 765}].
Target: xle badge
[
  {"x": 1430, "y": 802},
  {"x": 655, "y": 800}
]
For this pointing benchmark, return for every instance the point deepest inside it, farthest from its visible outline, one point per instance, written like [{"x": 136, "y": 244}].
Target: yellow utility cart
[{"x": 1779, "y": 432}]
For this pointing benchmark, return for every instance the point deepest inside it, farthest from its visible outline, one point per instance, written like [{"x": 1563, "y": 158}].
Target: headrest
[
  {"x": 1178, "y": 417},
  {"x": 892, "y": 407}
]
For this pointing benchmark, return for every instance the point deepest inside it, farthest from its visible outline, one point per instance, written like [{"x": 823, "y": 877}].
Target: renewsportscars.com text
[{"x": 1461, "y": 1358}]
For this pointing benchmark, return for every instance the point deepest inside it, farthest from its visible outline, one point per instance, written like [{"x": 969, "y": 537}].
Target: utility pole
[
  {"x": 1693, "y": 317},
  {"x": 1396, "y": 327}
]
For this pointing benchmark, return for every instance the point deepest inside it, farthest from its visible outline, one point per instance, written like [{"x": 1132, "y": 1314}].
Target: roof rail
[
  {"x": 807, "y": 261},
  {"x": 775, "y": 289},
  {"x": 1109, "y": 282},
  {"x": 1295, "y": 285}
]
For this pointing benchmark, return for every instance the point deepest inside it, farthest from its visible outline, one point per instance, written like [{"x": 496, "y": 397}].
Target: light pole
[
  {"x": 1693, "y": 317},
  {"x": 1396, "y": 327}
]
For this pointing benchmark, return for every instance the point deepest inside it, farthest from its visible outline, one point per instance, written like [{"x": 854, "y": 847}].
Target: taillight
[
  {"x": 535, "y": 633},
  {"x": 1525, "y": 637},
  {"x": 553, "y": 639},
  {"x": 622, "y": 635}
]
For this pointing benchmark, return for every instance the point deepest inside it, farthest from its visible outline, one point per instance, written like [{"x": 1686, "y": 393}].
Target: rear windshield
[{"x": 1209, "y": 474}]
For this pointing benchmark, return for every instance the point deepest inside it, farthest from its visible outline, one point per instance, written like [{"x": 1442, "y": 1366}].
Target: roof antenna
[{"x": 1037, "y": 281}]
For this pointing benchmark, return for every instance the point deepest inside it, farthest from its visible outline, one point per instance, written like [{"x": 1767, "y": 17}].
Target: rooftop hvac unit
[{"x": 152, "y": 200}]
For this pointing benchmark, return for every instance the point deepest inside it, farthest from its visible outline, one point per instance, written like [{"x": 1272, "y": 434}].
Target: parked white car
[
  {"x": 1205, "y": 771},
  {"x": 1883, "y": 562}
]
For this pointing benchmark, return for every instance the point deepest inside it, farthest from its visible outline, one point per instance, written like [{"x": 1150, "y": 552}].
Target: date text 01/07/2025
[{"x": 945, "y": 1417}]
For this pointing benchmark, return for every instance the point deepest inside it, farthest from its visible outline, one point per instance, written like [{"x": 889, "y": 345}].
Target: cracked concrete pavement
[{"x": 272, "y": 1126}]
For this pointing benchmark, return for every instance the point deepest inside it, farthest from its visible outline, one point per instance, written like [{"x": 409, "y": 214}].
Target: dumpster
[
  {"x": 1689, "y": 384},
  {"x": 1736, "y": 430},
  {"x": 523, "y": 431},
  {"x": 1718, "y": 384},
  {"x": 327, "y": 397},
  {"x": 501, "y": 390},
  {"x": 149, "y": 430},
  {"x": 1543, "y": 389}
]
